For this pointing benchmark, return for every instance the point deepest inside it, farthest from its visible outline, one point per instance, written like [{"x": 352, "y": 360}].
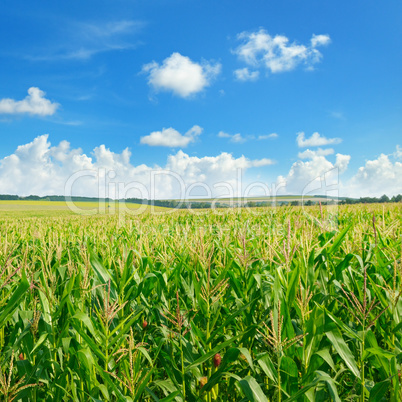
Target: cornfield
[{"x": 273, "y": 304}]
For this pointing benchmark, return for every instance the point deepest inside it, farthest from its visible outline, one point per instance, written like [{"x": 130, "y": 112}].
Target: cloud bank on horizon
[{"x": 42, "y": 169}]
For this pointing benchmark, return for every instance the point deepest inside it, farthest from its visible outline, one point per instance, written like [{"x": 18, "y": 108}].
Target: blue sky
[{"x": 203, "y": 89}]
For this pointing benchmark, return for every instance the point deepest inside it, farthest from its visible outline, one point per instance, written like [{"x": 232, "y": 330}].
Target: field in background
[
  {"x": 277, "y": 199},
  {"x": 262, "y": 304},
  {"x": 60, "y": 208},
  {"x": 42, "y": 208}
]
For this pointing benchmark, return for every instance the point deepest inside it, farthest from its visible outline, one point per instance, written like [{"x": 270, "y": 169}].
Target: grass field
[{"x": 266, "y": 304}]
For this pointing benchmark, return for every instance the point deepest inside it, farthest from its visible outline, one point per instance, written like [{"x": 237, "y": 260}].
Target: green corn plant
[
  {"x": 274, "y": 338},
  {"x": 9, "y": 387},
  {"x": 181, "y": 326},
  {"x": 363, "y": 312}
]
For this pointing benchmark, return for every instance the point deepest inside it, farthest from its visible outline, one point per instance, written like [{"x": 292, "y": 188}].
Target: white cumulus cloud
[
  {"x": 169, "y": 137},
  {"x": 275, "y": 53},
  {"x": 244, "y": 74},
  {"x": 318, "y": 175},
  {"x": 308, "y": 154},
  {"x": 398, "y": 152},
  {"x": 314, "y": 176},
  {"x": 222, "y": 134},
  {"x": 236, "y": 138},
  {"x": 180, "y": 75},
  {"x": 377, "y": 177},
  {"x": 316, "y": 140},
  {"x": 320, "y": 40},
  {"x": 34, "y": 104},
  {"x": 262, "y": 162}
]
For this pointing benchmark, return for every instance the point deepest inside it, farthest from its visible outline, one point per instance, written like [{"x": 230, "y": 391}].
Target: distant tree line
[
  {"x": 207, "y": 204},
  {"x": 372, "y": 200},
  {"x": 346, "y": 201},
  {"x": 177, "y": 204},
  {"x": 7, "y": 197}
]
